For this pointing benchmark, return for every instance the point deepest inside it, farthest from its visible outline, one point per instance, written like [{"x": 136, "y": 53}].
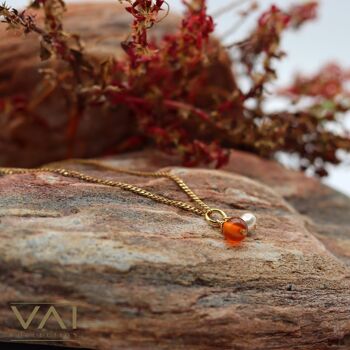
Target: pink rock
[{"x": 145, "y": 275}]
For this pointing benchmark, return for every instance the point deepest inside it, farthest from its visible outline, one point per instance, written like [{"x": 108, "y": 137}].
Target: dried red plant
[{"x": 166, "y": 86}]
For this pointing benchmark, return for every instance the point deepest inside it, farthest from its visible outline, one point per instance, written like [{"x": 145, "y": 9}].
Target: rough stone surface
[
  {"x": 149, "y": 276},
  {"x": 325, "y": 210}
]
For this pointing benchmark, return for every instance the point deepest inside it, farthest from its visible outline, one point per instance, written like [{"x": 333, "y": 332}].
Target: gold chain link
[{"x": 201, "y": 209}]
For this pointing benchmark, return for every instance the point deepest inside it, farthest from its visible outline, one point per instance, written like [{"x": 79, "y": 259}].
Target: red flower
[{"x": 301, "y": 13}]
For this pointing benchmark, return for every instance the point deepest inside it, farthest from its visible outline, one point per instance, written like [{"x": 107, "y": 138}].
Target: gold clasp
[{"x": 219, "y": 221}]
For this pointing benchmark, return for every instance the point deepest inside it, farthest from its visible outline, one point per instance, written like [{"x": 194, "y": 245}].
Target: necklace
[{"x": 234, "y": 229}]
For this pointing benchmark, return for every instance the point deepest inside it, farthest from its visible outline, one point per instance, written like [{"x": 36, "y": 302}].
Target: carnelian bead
[{"x": 234, "y": 230}]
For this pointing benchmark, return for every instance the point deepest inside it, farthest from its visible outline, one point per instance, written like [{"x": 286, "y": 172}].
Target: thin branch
[{"x": 229, "y": 7}]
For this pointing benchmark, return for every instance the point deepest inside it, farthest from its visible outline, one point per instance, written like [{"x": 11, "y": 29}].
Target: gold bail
[{"x": 217, "y": 222}]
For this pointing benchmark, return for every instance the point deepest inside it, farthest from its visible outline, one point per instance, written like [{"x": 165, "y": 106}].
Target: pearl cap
[{"x": 250, "y": 220}]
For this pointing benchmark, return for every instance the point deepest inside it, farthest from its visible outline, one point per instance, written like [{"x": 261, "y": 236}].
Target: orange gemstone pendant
[{"x": 234, "y": 229}]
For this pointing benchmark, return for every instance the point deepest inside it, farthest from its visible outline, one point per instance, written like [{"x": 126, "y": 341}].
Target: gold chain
[{"x": 201, "y": 208}]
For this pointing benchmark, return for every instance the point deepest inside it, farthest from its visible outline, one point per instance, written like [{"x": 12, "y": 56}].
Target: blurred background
[{"x": 316, "y": 44}]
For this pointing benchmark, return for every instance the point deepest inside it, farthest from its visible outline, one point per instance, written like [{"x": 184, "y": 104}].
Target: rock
[
  {"x": 326, "y": 210},
  {"x": 102, "y": 27},
  {"x": 39, "y": 134},
  {"x": 148, "y": 276}
]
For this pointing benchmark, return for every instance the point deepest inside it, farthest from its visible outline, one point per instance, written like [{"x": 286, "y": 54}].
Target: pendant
[{"x": 234, "y": 229}]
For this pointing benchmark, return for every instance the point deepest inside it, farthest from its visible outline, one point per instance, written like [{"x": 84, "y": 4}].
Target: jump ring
[{"x": 216, "y": 221}]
